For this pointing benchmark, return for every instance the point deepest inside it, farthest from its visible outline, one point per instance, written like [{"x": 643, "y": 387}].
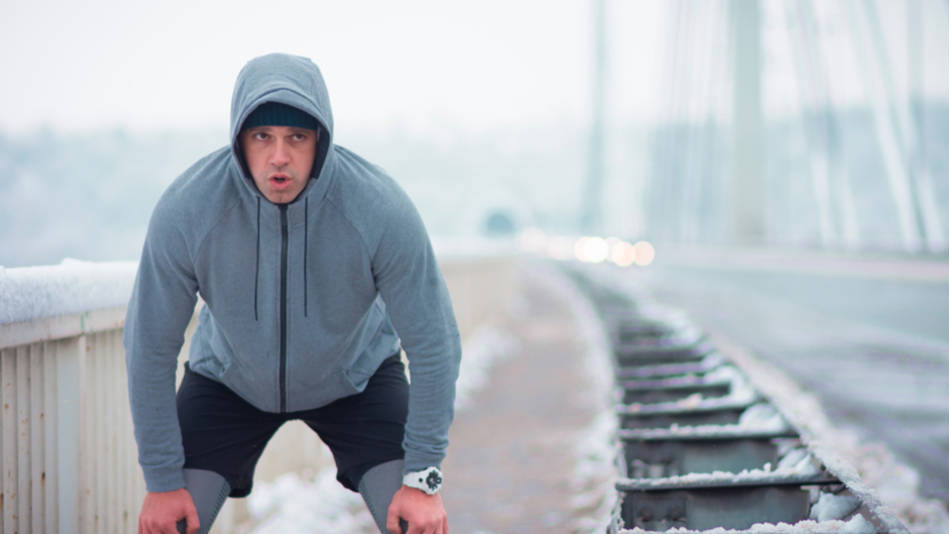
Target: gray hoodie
[{"x": 302, "y": 301}]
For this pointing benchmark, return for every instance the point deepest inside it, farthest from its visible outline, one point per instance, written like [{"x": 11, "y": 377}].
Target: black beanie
[{"x": 277, "y": 114}]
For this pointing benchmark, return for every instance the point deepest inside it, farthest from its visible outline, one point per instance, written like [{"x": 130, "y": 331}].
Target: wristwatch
[{"x": 428, "y": 480}]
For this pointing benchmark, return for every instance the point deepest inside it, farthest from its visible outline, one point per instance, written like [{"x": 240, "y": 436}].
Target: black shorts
[{"x": 221, "y": 432}]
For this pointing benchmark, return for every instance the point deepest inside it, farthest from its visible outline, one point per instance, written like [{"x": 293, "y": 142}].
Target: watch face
[{"x": 433, "y": 480}]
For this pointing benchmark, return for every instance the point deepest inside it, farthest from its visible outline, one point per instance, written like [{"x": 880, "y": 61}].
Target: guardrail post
[
  {"x": 69, "y": 372},
  {"x": 8, "y": 458}
]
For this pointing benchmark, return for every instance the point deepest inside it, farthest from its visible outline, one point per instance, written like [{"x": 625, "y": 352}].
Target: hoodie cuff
[
  {"x": 414, "y": 462},
  {"x": 164, "y": 480}
]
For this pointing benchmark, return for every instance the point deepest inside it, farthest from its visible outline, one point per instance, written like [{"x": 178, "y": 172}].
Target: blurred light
[
  {"x": 591, "y": 249},
  {"x": 644, "y": 252},
  {"x": 623, "y": 254}
]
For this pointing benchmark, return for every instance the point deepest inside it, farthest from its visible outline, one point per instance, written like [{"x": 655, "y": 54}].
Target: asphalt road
[{"x": 868, "y": 338}]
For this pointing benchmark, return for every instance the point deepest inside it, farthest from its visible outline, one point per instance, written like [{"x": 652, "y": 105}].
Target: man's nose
[{"x": 281, "y": 155}]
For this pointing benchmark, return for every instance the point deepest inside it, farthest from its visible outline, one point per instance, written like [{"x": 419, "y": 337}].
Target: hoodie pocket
[
  {"x": 210, "y": 354},
  {"x": 358, "y": 374}
]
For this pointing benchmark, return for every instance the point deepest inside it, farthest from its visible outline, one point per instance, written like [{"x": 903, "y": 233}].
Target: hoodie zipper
[{"x": 283, "y": 308}]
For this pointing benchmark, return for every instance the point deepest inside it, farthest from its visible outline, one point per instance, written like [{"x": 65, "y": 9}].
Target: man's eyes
[{"x": 297, "y": 137}]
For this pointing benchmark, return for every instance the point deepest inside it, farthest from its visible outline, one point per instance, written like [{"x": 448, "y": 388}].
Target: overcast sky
[{"x": 79, "y": 65}]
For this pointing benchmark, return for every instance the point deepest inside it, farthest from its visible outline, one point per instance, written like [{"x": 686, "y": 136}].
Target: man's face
[{"x": 280, "y": 159}]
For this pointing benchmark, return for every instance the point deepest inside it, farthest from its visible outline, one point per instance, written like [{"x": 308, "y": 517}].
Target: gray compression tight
[
  {"x": 378, "y": 486},
  {"x": 208, "y": 490}
]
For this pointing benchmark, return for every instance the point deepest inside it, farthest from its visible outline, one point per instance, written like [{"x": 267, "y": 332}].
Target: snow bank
[{"x": 73, "y": 286}]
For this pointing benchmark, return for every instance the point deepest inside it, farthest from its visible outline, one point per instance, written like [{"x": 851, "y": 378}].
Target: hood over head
[{"x": 286, "y": 79}]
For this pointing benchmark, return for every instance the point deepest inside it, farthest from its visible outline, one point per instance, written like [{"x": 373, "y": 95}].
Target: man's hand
[
  {"x": 424, "y": 513},
  {"x": 163, "y": 509}
]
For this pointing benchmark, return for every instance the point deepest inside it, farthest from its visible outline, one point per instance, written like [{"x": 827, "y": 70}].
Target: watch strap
[{"x": 429, "y": 480}]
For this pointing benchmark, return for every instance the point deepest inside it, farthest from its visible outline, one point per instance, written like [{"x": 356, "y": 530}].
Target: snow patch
[
  {"x": 831, "y": 506},
  {"x": 290, "y": 505},
  {"x": 802, "y": 469},
  {"x": 756, "y": 418},
  {"x": 762, "y": 416},
  {"x": 800, "y": 461}
]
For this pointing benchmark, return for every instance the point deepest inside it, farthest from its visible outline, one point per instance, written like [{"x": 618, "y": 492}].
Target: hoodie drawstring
[
  {"x": 257, "y": 261},
  {"x": 306, "y": 204},
  {"x": 257, "y": 268}
]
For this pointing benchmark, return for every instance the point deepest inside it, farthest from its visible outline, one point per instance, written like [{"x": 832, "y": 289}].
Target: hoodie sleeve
[
  {"x": 411, "y": 284},
  {"x": 162, "y": 303}
]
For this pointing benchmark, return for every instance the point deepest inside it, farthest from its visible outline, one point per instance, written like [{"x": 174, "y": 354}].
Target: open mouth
[{"x": 280, "y": 179}]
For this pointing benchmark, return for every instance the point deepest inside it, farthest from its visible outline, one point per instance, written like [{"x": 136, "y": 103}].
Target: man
[{"x": 309, "y": 260}]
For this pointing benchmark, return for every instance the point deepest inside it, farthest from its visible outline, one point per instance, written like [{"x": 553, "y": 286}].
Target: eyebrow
[{"x": 293, "y": 130}]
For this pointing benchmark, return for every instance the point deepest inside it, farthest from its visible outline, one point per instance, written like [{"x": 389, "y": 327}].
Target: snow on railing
[{"x": 72, "y": 287}]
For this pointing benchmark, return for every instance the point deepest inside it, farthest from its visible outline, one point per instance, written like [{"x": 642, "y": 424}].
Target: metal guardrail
[
  {"x": 701, "y": 448},
  {"x": 68, "y": 458}
]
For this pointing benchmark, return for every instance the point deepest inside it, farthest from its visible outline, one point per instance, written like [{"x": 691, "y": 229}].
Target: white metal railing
[
  {"x": 67, "y": 445},
  {"x": 67, "y": 453}
]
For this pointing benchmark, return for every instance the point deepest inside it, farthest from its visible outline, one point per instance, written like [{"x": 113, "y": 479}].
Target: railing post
[
  {"x": 69, "y": 373},
  {"x": 8, "y": 458}
]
